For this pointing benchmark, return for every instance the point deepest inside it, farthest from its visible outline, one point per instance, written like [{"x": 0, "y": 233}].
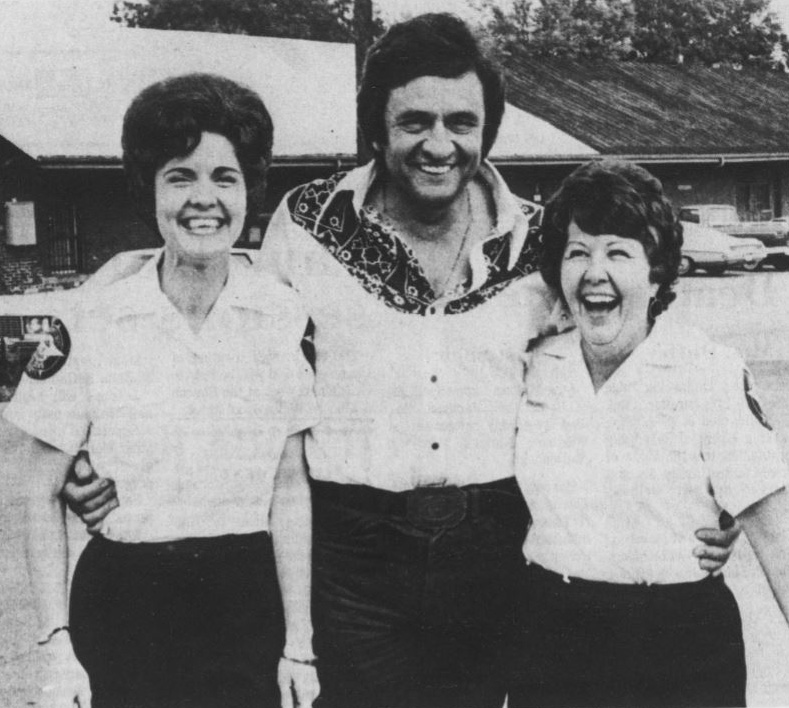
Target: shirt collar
[
  {"x": 510, "y": 219},
  {"x": 662, "y": 348},
  {"x": 141, "y": 294}
]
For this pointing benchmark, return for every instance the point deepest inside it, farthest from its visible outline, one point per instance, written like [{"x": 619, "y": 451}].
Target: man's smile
[{"x": 437, "y": 170}]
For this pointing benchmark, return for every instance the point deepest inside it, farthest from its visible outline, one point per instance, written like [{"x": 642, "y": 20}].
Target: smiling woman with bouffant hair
[{"x": 188, "y": 383}]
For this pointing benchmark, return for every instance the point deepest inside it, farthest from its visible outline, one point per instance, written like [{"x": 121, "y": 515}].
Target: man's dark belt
[{"x": 428, "y": 508}]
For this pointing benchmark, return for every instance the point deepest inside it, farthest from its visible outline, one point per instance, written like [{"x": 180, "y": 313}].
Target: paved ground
[{"x": 749, "y": 311}]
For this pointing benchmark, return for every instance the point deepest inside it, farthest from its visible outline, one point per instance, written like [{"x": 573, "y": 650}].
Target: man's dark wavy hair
[
  {"x": 620, "y": 198},
  {"x": 167, "y": 119},
  {"x": 433, "y": 44}
]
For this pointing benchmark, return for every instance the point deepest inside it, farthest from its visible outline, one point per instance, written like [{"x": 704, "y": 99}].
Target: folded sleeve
[
  {"x": 51, "y": 401},
  {"x": 746, "y": 463}
]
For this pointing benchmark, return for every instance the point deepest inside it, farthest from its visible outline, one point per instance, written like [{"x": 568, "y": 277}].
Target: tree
[
  {"x": 668, "y": 31},
  {"x": 709, "y": 31},
  {"x": 326, "y": 20},
  {"x": 562, "y": 28}
]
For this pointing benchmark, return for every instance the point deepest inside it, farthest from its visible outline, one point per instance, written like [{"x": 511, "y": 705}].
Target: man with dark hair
[
  {"x": 415, "y": 271},
  {"x": 420, "y": 274}
]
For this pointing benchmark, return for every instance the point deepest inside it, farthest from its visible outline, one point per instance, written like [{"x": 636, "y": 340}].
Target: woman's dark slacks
[
  {"x": 585, "y": 643},
  {"x": 194, "y": 623}
]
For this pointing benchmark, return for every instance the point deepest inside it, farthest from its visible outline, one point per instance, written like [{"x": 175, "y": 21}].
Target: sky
[
  {"x": 398, "y": 9},
  {"x": 781, "y": 9}
]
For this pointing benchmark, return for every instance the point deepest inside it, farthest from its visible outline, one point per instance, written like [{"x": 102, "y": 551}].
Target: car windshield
[{"x": 722, "y": 215}]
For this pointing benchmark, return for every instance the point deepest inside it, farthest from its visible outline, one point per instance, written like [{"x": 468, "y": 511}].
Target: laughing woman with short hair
[{"x": 633, "y": 432}]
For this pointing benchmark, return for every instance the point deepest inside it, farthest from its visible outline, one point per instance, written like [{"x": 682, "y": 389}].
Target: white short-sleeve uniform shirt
[
  {"x": 617, "y": 481},
  {"x": 190, "y": 426}
]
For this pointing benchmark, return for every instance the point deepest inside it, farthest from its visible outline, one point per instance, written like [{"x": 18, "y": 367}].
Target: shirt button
[
  {"x": 434, "y": 446},
  {"x": 433, "y": 378}
]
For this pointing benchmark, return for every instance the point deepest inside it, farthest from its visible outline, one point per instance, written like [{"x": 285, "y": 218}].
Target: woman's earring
[{"x": 654, "y": 308}]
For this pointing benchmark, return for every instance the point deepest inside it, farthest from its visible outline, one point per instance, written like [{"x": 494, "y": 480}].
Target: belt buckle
[{"x": 434, "y": 508}]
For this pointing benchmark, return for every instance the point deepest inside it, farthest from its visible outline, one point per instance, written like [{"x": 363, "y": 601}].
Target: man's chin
[{"x": 438, "y": 197}]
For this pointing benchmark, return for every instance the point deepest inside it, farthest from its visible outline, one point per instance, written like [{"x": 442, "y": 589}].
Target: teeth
[
  {"x": 435, "y": 169},
  {"x": 202, "y": 224},
  {"x": 599, "y": 302},
  {"x": 599, "y": 299}
]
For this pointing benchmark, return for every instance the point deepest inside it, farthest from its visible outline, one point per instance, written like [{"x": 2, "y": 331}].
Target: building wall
[
  {"x": 729, "y": 184},
  {"x": 683, "y": 184},
  {"x": 106, "y": 221}
]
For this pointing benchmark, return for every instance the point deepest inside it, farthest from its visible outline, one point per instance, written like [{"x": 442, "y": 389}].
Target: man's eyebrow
[
  {"x": 413, "y": 114},
  {"x": 465, "y": 115}
]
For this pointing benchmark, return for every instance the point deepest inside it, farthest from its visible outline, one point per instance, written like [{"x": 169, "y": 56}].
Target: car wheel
[
  {"x": 715, "y": 270},
  {"x": 752, "y": 265},
  {"x": 686, "y": 266}
]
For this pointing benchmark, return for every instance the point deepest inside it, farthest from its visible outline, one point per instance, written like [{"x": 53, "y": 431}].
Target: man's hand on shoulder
[
  {"x": 717, "y": 545},
  {"x": 89, "y": 496},
  {"x": 120, "y": 266}
]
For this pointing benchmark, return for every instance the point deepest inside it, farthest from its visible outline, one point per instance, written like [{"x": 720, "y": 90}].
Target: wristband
[
  {"x": 304, "y": 662},
  {"x": 46, "y": 640}
]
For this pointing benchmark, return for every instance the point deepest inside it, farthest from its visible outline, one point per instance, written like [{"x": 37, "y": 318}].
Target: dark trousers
[
  {"x": 194, "y": 623},
  {"x": 409, "y": 612},
  {"x": 586, "y": 643}
]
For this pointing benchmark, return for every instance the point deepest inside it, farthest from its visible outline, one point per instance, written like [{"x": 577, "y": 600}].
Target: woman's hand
[
  {"x": 64, "y": 683},
  {"x": 298, "y": 683}
]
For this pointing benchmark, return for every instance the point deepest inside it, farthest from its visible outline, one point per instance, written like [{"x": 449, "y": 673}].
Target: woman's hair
[
  {"x": 167, "y": 119},
  {"x": 433, "y": 44},
  {"x": 620, "y": 198}
]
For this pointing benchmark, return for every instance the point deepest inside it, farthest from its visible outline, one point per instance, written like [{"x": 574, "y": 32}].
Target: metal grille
[
  {"x": 11, "y": 326},
  {"x": 62, "y": 246}
]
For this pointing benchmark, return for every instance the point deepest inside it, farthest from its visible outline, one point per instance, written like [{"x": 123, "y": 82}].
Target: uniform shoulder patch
[
  {"x": 753, "y": 402},
  {"x": 52, "y": 352}
]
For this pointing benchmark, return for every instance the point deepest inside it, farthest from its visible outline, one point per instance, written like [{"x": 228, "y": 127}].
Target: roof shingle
[{"x": 627, "y": 108}]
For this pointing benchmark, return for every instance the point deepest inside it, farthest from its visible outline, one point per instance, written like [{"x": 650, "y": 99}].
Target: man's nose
[{"x": 438, "y": 143}]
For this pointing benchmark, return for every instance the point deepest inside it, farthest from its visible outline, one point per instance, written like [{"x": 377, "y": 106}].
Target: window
[
  {"x": 753, "y": 201},
  {"x": 691, "y": 215}
]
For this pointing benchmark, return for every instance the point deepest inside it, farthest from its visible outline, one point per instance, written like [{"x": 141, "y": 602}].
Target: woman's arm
[
  {"x": 766, "y": 524},
  {"x": 47, "y": 559},
  {"x": 291, "y": 533}
]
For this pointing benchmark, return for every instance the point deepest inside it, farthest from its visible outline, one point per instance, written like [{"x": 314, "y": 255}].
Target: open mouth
[
  {"x": 202, "y": 225},
  {"x": 599, "y": 303},
  {"x": 436, "y": 170}
]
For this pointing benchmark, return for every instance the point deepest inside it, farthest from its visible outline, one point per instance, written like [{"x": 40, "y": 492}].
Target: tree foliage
[
  {"x": 326, "y": 20},
  {"x": 709, "y": 31},
  {"x": 589, "y": 28},
  {"x": 666, "y": 31}
]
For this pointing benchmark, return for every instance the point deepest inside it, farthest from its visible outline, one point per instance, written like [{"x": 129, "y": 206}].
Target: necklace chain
[{"x": 441, "y": 291}]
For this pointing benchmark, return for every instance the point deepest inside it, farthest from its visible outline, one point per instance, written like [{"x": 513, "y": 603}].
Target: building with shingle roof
[{"x": 712, "y": 134}]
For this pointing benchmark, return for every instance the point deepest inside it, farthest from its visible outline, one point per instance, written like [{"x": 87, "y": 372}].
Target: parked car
[
  {"x": 713, "y": 251},
  {"x": 782, "y": 222},
  {"x": 724, "y": 217}
]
